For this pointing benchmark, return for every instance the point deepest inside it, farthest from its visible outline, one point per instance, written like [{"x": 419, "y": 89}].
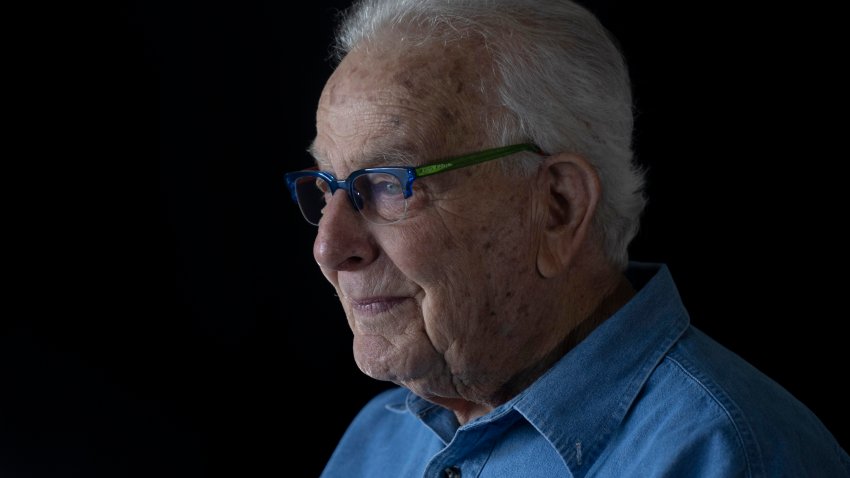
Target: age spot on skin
[
  {"x": 405, "y": 80},
  {"x": 356, "y": 72},
  {"x": 335, "y": 99},
  {"x": 522, "y": 310},
  {"x": 448, "y": 116}
]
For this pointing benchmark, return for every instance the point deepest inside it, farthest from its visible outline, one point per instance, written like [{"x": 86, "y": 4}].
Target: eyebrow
[{"x": 387, "y": 158}]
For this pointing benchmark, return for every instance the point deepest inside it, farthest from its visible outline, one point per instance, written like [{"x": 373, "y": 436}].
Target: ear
[{"x": 571, "y": 191}]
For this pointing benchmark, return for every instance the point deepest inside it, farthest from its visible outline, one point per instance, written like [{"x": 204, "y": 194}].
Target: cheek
[
  {"x": 421, "y": 250},
  {"x": 467, "y": 265},
  {"x": 446, "y": 270},
  {"x": 480, "y": 245}
]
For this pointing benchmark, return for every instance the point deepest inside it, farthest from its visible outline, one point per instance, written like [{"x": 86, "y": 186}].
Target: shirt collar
[
  {"x": 579, "y": 402},
  {"x": 583, "y": 398}
]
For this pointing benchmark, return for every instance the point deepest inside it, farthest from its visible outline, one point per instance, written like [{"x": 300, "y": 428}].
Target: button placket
[{"x": 452, "y": 472}]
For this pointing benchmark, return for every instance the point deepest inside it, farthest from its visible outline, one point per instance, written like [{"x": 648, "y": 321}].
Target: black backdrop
[{"x": 169, "y": 318}]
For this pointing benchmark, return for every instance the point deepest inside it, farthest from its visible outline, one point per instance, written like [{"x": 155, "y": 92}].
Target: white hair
[{"x": 561, "y": 78}]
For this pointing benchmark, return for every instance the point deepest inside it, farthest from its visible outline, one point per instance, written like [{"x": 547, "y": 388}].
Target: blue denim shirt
[{"x": 645, "y": 395}]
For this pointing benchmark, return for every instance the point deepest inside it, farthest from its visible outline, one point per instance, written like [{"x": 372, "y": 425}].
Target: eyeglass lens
[{"x": 378, "y": 196}]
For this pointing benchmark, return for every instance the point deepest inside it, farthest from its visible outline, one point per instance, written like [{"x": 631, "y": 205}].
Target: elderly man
[{"x": 475, "y": 196}]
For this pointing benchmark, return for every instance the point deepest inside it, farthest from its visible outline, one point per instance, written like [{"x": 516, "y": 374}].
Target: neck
[
  {"x": 617, "y": 292},
  {"x": 584, "y": 320}
]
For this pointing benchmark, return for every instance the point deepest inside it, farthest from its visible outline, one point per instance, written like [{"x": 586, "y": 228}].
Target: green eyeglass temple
[{"x": 475, "y": 158}]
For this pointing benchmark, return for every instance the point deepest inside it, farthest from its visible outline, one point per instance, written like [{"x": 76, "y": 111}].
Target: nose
[{"x": 344, "y": 241}]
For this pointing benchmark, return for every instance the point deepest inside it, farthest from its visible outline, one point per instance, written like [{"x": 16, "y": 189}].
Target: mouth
[{"x": 376, "y": 305}]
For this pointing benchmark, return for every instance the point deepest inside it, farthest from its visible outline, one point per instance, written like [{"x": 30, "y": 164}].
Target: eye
[
  {"x": 388, "y": 188},
  {"x": 379, "y": 186}
]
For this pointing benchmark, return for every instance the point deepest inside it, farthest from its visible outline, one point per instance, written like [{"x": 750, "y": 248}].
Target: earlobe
[
  {"x": 571, "y": 191},
  {"x": 547, "y": 261}
]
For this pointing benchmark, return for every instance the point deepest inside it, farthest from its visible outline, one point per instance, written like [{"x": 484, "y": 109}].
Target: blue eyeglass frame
[{"x": 406, "y": 174}]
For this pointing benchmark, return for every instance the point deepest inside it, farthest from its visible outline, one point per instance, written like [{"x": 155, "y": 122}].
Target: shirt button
[{"x": 452, "y": 472}]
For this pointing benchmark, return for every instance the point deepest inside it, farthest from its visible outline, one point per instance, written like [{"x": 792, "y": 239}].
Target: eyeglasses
[{"x": 380, "y": 194}]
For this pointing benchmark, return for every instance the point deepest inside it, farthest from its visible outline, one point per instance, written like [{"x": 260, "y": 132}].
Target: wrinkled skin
[{"x": 449, "y": 302}]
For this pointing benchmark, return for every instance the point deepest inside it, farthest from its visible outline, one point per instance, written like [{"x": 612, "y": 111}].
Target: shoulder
[
  {"x": 384, "y": 412},
  {"x": 394, "y": 398},
  {"x": 725, "y": 405},
  {"x": 383, "y": 436}
]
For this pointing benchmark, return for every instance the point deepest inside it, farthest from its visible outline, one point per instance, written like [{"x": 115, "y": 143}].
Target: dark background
[{"x": 167, "y": 317}]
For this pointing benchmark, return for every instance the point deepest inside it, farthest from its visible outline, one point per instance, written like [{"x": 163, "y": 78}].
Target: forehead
[{"x": 410, "y": 104}]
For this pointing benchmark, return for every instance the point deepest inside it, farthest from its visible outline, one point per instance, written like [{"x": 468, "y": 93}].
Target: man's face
[{"x": 445, "y": 301}]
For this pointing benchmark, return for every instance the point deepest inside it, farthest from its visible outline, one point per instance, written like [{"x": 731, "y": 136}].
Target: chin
[
  {"x": 408, "y": 364},
  {"x": 376, "y": 356}
]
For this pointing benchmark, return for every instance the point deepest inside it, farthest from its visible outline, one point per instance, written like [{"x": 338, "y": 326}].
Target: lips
[{"x": 376, "y": 305}]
